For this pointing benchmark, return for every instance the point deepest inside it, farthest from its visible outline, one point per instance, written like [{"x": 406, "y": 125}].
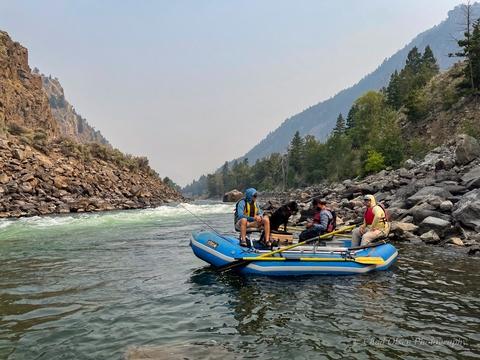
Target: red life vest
[
  {"x": 369, "y": 216},
  {"x": 316, "y": 217}
]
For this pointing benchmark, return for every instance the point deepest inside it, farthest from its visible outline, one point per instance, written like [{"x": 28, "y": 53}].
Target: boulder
[
  {"x": 405, "y": 173},
  {"x": 18, "y": 154},
  {"x": 446, "y": 205},
  {"x": 472, "y": 178},
  {"x": 396, "y": 213},
  {"x": 474, "y": 250},
  {"x": 401, "y": 227},
  {"x": 402, "y": 230},
  {"x": 444, "y": 164},
  {"x": 430, "y": 237},
  {"x": 455, "y": 241},
  {"x": 453, "y": 187},
  {"x": 440, "y": 226},
  {"x": 428, "y": 191},
  {"x": 467, "y": 210},
  {"x": 232, "y": 196},
  {"x": 4, "y": 178},
  {"x": 409, "y": 164},
  {"x": 27, "y": 177},
  {"x": 60, "y": 182},
  {"x": 467, "y": 149},
  {"x": 406, "y": 191},
  {"x": 434, "y": 200},
  {"x": 26, "y": 188}
]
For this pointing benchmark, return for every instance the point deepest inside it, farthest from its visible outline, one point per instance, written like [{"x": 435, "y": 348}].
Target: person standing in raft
[
  {"x": 249, "y": 215},
  {"x": 374, "y": 225},
  {"x": 320, "y": 223}
]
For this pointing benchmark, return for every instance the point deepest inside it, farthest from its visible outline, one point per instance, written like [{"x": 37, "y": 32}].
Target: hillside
[
  {"x": 43, "y": 172},
  {"x": 319, "y": 119},
  {"x": 448, "y": 110},
  {"x": 71, "y": 124}
]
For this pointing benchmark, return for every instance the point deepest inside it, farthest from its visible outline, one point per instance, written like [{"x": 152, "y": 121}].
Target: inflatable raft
[{"x": 334, "y": 257}]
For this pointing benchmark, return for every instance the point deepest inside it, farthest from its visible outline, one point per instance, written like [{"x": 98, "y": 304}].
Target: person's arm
[
  {"x": 323, "y": 222},
  {"x": 260, "y": 211},
  {"x": 241, "y": 210}
]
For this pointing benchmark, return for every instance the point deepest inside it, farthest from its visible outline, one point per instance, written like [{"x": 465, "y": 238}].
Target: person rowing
[{"x": 322, "y": 222}]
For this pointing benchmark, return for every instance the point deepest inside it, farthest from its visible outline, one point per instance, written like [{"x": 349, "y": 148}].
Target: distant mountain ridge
[{"x": 319, "y": 119}]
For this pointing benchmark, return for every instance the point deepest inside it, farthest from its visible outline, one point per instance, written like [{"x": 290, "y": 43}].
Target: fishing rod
[{"x": 202, "y": 221}]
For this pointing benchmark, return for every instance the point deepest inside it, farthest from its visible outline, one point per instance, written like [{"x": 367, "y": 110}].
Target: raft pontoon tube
[{"x": 333, "y": 258}]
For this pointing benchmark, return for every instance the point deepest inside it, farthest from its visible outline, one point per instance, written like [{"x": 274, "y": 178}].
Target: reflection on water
[{"x": 99, "y": 288}]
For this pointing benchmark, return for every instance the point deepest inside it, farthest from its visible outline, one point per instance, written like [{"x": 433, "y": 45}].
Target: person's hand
[
  {"x": 309, "y": 225},
  {"x": 362, "y": 230}
]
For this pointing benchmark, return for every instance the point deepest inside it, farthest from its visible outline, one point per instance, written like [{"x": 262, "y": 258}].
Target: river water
[{"x": 125, "y": 284}]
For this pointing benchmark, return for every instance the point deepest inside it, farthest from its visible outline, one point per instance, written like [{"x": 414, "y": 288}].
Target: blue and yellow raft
[{"x": 328, "y": 258}]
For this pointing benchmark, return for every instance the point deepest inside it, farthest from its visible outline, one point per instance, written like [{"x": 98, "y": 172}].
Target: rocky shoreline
[
  {"x": 32, "y": 183},
  {"x": 434, "y": 201}
]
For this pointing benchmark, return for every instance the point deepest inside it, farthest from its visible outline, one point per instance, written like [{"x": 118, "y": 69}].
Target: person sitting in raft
[
  {"x": 374, "y": 225},
  {"x": 249, "y": 215},
  {"x": 320, "y": 222}
]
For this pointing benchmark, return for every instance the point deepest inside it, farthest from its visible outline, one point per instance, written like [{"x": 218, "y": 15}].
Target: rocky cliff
[
  {"x": 43, "y": 172},
  {"x": 22, "y": 100},
  {"x": 70, "y": 123}
]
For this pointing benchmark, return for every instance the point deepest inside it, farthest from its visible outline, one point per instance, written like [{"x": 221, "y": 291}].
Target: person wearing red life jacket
[{"x": 374, "y": 225}]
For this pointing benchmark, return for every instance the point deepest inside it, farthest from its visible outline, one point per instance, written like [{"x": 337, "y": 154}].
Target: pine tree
[
  {"x": 295, "y": 152},
  {"x": 226, "y": 176},
  {"x": 429, "y": 61},
  {"x": 414, "y": 60},
  {"x": 470, "y": 50},
  {"x": 475, "y": 55},
  {"x": 350, "y": 123},
  {"x": 339, "y": 126},
  {"x": 392, "y": 91}
]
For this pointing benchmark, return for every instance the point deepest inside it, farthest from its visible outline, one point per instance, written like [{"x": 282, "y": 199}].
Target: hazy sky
[{"x": 191, "y": 84}]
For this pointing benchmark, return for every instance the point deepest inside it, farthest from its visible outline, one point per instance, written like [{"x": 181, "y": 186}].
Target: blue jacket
[{"x": 242, "y": 203}]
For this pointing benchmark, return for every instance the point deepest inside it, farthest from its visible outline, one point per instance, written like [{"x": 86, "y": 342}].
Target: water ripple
[{"x": 126, "y": 285}]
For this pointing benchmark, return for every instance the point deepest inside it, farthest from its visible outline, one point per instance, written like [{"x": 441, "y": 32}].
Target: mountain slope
[
  {"x": 319, "y": 119},
  {"x": 71, "y": 124}
]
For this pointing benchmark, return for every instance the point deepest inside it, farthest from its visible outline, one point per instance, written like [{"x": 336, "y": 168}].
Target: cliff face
[
  {"x": 22, "y": 100},
  {"x": 71, "y": 124},
  {"x": 43, "y": 172}
]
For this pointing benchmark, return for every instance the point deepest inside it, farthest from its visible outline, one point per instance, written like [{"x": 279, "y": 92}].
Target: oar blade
[{"x": 369, "y": 260}]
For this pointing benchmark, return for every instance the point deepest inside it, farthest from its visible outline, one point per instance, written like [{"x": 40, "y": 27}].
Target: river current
[{"x": 126, "y": 284}]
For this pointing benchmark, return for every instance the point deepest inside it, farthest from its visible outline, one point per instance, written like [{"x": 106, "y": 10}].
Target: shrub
[
  {"x": 471, "y": 128},
  {"x": 17, "y": 129},
  {"x": 375, "y": 162}
]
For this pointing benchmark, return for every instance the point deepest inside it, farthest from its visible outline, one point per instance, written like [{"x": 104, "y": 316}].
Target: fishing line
[{"x": 202, "y": 221}]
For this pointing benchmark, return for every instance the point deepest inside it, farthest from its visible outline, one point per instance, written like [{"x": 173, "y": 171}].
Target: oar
[
  {"x": 243, "y": 262},
  {"x": 365, "y": 260},
  {"x": 300, "y": 229}
]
